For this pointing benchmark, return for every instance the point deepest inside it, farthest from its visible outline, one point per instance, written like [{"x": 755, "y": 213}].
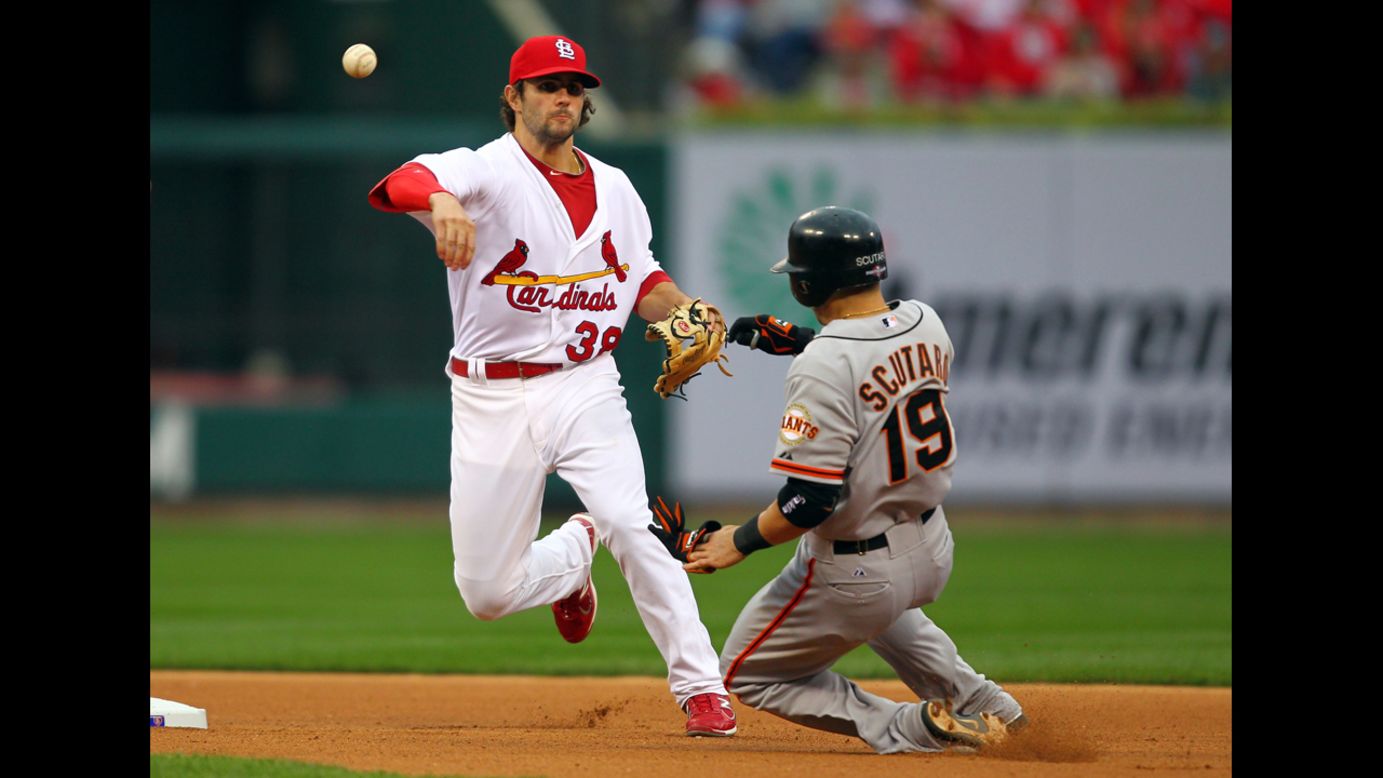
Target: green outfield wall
[
  {"x": 303, "y": 332},
  {"x": 297, "y": 336},
  {"x": 366, "y": 443}
]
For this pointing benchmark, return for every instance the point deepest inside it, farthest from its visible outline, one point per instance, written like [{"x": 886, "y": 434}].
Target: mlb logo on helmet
[{"x": 547, "y": 55}]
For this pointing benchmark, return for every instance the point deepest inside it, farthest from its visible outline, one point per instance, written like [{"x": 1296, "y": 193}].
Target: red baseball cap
[{"x": 548, "y": 54}]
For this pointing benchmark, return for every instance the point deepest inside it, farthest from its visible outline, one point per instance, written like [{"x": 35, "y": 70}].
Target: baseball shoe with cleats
[
  {"x": 959, "y": 730},
  {"x": 575, "y": 614},
  {"x": 995, "y": 701},
  {"x": 710, "y": 715}
]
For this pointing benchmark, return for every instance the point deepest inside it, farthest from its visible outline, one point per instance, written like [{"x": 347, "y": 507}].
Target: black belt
[{"x": 865, "y": 546}]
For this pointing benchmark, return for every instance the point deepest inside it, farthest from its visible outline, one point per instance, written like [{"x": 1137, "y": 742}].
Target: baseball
[{"x": 359, "y": 61}]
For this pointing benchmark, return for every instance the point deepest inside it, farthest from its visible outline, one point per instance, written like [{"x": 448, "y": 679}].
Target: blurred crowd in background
[{"x": 862, "y": 53}]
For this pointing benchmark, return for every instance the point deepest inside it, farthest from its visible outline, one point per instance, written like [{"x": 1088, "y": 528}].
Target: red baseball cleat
[
  {"x": 710, "y": 715},
  {"x": 575, "y": 614}
]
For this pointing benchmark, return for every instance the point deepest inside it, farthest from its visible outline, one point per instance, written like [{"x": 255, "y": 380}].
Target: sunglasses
[{"x": 574, "y": 88}]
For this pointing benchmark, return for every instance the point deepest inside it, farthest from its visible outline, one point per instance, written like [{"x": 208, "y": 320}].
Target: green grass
[
  {"x": 186, "y": 766},
  {"x": 1028, "y": 602}
]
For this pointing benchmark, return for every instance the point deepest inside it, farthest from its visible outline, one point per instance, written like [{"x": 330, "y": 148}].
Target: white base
[{"x": 166, "y": 713}]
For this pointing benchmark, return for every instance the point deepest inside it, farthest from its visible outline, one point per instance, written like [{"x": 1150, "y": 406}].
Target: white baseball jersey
[
  {"x": 534, "y": 291},
  {"x": 866, "y": 409}
]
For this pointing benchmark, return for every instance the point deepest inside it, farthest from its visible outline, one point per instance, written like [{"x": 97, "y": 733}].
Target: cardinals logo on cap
[{"x": 546, "y": 55}]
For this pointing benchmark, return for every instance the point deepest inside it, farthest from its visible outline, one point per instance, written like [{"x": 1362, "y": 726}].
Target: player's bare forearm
[
  {"x": 718, "y": 551},
  {"x": 454, "y": 230},
  {"x": 661, "y": 299},
  {"x": 776, "y": 528}
]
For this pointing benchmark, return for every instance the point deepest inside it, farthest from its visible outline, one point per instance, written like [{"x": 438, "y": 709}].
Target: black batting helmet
[{"x": 829, "y": 249}]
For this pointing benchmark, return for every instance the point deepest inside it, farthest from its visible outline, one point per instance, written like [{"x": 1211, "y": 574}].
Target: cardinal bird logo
[
  {"x": 509, "y": 262},
  {"x": 607, "y": 252}
]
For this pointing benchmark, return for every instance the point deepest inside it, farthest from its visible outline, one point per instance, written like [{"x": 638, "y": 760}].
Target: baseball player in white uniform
[
  {"x": 547, "y": 254},
  {"x": 867, "y": 448}
]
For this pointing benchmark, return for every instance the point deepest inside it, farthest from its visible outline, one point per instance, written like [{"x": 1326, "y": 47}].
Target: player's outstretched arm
[
  {"x": 454, "y": 230},
  {"x": 729, "y": 545},
  {"x": 661, "y": 299},
  {"x": 414, "y": 188},
  {"x": 770, "y": 334}
]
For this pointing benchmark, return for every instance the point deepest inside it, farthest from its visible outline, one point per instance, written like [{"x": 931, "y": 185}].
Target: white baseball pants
[{"x": 507, "y": 436}]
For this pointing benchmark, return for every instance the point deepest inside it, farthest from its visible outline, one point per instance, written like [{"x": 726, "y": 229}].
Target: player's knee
[
  {"x": 483, "y": 599},
  {"x": 751, "y": 694}
]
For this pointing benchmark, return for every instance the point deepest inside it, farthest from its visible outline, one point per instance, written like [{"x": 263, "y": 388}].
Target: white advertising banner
[{"x": 1085, "y": 283}]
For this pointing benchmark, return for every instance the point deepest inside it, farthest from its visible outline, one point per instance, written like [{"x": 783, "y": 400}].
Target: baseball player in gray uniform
[{"x": 867, "y": 448}]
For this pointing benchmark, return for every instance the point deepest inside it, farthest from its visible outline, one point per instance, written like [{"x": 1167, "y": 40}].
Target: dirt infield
[{"x": 587, "y": 727}]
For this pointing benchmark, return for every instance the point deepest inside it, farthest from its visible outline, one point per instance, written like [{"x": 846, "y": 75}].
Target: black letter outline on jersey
[{"x": 935, "y": 434}]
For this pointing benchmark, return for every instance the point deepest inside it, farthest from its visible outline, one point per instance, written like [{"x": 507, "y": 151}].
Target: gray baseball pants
[{"x": 823, "y": 605}]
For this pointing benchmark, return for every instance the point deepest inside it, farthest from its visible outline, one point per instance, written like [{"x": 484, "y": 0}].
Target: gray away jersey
[{"x": 865, "y": 408}]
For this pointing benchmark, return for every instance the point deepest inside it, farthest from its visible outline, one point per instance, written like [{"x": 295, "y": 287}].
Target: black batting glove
[
  {"x": 770, "y": 334},
  {"x": 671, "y": 530}
]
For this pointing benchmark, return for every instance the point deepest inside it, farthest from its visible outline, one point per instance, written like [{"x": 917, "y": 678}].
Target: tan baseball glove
[{"x": 691, "y": 343}]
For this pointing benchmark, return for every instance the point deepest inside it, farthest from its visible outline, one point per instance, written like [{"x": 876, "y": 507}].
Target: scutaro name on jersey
[{"x": 906, "y": 366}]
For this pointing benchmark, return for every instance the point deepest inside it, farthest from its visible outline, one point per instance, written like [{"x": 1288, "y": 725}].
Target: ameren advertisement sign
[{"x": 1085, "y": 283}]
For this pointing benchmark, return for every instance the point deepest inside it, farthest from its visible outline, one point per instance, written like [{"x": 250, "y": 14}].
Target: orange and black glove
[
  {"x": 671, "y": 530},
  {"x": 770, "y": 334}
]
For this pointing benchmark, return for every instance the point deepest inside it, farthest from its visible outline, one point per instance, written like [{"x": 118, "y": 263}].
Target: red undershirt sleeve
[
  {"x": 654, "y": 278},
  {"x": 405, "y": 190}
]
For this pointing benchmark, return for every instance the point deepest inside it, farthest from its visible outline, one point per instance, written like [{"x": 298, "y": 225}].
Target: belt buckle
[{"x": 861, "y": 547}]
